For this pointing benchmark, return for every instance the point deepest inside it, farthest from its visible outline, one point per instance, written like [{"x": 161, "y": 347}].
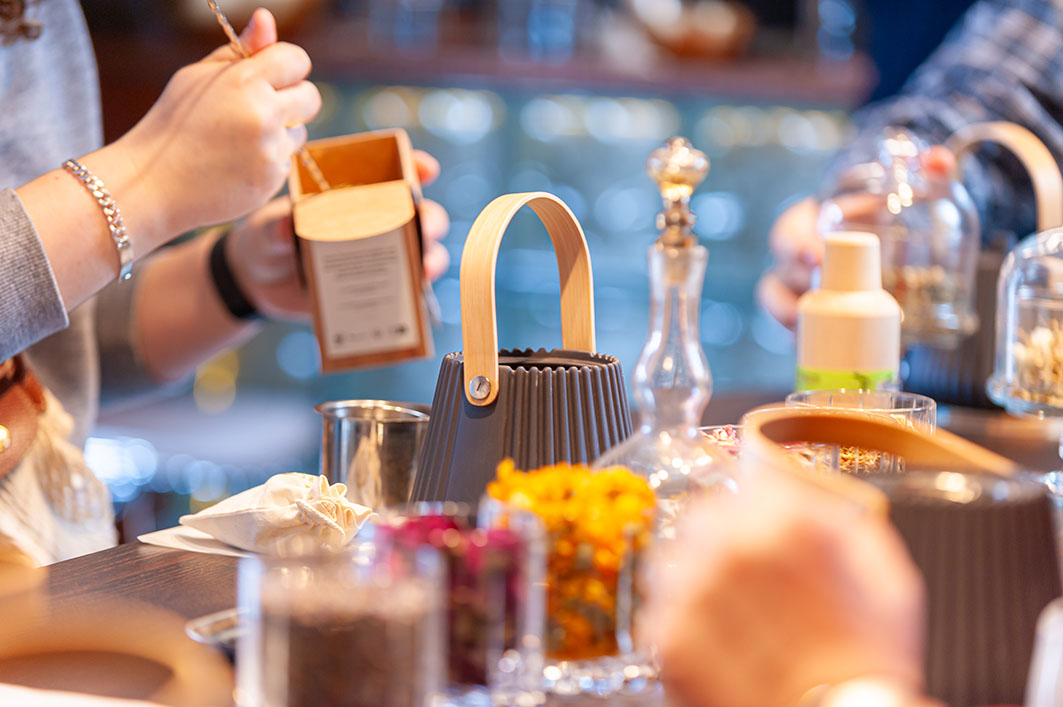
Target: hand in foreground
[
  {"x": 781, "y": 588},
  {"x": 261, "y": 251},
  {"x": 797, "y": 246},
  {"x": 218, "y": 142}
]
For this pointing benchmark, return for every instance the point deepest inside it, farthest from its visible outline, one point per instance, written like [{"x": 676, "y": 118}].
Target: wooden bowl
[
  {"x": 118, "y": 650},
  {"x": 769, "y": 427}
]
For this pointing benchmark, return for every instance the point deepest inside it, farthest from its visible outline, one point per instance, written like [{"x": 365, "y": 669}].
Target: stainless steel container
[{"x": 372, "y": 447}]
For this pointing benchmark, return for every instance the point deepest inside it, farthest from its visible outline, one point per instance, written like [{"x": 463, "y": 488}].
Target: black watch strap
[{"x": 230, "y": 293}]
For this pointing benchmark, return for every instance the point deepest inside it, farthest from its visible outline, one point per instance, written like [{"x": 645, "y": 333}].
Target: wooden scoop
[{"x": 766, "y": 428}]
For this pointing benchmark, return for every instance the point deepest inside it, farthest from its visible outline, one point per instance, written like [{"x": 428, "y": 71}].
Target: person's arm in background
[{"x": 1003, "y": 61}]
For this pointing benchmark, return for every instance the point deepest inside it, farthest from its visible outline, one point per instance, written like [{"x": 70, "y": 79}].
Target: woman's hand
[
  {"x": 215, "y": 146},
  {"x": 218, "y": 142},
  {"x": 261, "y": 254},
  {"x": 261, "y": 251},
  {"x": 434, "y": 219},
  {"x": 781, "y": 588}
]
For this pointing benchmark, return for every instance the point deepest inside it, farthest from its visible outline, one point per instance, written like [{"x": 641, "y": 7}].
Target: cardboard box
[{"x": 360, "y": 245}]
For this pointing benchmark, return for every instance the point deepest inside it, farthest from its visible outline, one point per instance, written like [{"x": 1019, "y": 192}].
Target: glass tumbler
[
  {"x": 905, "y": 409},
  {"x": 494, "y": 595},
  {"x": 598, "y": 528},
  {"x": 347, "y": 628}
]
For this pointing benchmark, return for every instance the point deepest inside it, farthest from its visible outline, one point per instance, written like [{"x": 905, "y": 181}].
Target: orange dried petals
[{"x": 597, "y": 522}]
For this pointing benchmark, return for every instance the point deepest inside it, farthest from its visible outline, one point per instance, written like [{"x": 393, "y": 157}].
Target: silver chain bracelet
[{"x": 111, "y": 212}]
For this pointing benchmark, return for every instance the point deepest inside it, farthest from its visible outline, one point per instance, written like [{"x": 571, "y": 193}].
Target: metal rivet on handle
[
  {"x": 5, "y": 439},
  {"x": 479, "y": 388}
]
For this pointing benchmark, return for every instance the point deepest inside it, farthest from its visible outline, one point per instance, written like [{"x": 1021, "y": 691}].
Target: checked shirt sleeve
[{"x": 1002, "y": 61}]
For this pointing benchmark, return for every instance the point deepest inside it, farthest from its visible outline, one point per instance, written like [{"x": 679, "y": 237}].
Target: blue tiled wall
[{"x": 590, "y": 150}]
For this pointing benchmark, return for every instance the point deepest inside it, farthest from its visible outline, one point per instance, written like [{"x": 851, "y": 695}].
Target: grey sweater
[{"x": 49, "y": 112}]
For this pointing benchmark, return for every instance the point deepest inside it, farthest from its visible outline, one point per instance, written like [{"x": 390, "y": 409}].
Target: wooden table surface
[
  {"x": 190, "y": 584},
  {"x": 194, "y": 584}
]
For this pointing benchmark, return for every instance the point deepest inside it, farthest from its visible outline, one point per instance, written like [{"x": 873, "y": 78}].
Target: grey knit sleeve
[{"x": 31, "y": 307}]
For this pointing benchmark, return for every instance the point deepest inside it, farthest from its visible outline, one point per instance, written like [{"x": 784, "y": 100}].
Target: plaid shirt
[{"x": 1002, "y": 61}]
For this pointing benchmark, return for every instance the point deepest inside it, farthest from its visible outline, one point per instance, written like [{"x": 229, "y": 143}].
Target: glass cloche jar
[
  {"x": 929, "y": 233},
  {"x": 1028, "y": 372}
]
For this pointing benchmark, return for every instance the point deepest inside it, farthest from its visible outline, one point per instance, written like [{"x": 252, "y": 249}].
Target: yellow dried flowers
[{"x": 597, "y": 523}]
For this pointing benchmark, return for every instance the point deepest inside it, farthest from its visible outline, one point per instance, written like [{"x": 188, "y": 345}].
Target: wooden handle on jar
[
  {"x": 479, "y": 325},
  {"x": 1032, "y": 153},
  {"x": 768, "y": 427}
]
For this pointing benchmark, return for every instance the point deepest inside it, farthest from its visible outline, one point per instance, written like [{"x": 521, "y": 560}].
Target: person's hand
[
  {"x": 796, "y": 245},
  {"x": 218, "y": 142},
  {"x": 434, "y": 219},
  {"x": 261, "y": 251},
  {"x": 783, "y": 587},
  {"x": 797, "y": 250}
]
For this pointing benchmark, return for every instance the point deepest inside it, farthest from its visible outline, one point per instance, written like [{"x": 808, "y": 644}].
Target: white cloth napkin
[
  {"x": 288, "y": 513},
  {"x": 180, "y": 537}
]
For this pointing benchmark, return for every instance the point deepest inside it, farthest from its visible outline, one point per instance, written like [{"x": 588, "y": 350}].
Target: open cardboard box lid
[
  {"x": 358, "y": 231},
  {"x": 374, "y": 187},
  {"x": 350, "y": 213}
]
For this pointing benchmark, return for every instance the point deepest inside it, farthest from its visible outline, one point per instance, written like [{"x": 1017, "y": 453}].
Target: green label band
[{"x": 823, "y": 379}]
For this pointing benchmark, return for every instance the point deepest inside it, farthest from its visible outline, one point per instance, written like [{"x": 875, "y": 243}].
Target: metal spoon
[{"x": 302, "y": 153}]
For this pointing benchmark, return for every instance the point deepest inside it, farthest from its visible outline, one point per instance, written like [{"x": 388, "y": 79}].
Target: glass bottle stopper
[{"x": 678, "y": 168}]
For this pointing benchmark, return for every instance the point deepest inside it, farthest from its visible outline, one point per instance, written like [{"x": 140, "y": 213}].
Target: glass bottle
[{"x": 672, "y": 383}]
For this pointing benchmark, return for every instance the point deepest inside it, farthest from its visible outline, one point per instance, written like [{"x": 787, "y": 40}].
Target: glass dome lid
[
  {"x": 1028, "y": 371},
  {"x": 928, "y": 228}
]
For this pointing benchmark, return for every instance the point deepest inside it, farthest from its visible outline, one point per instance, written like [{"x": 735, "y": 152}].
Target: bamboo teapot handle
[
  {"x": 479, "y": 317},
  {"x": 1032, "y": 153}
]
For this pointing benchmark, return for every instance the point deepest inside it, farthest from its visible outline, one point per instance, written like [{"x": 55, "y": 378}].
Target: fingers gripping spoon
[{"x": 234, "y": 41}]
